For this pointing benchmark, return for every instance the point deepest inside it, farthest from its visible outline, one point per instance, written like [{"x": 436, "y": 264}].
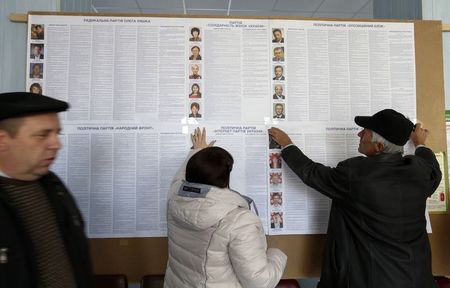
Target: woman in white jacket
[{"x": 214, "y": 238}]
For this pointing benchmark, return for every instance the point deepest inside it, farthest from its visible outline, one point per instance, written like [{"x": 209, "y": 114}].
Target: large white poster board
[{"x": 132, "y": 83}]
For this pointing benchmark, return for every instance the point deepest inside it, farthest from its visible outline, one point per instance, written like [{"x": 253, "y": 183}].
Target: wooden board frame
[{"x": 136, "y": 257}]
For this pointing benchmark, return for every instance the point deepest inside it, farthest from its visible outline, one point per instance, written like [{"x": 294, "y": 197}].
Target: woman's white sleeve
[{"x": 254, "y": 264}]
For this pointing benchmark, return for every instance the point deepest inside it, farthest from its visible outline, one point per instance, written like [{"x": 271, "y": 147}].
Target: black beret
[
  {"x": 19, "y": 104},
  {"x": 390, "y": 124}
]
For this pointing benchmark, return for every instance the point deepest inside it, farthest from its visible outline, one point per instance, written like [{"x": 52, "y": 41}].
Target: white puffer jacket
[{"x": 216, "y": 241}]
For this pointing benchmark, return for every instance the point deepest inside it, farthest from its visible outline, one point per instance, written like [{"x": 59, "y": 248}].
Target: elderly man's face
[
  {"x": 279, "y": 109},
  {"x": 366, "y": 146},
  {"x": 278, "y": 91}
]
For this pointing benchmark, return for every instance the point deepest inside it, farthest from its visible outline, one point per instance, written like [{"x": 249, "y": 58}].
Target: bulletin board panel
[
  {"x": 136, "y": 257},
  {"x": 430, "y": 110}
]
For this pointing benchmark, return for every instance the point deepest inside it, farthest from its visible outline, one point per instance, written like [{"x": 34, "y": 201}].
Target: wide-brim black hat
[
  {"x": 390, "y": 124},
  {"x": 19, "y": 104}
]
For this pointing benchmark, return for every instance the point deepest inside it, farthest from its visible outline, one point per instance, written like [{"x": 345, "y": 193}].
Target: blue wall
[
  {"x": 440, "y": 10},
  {"x": 13, "y": 36}
]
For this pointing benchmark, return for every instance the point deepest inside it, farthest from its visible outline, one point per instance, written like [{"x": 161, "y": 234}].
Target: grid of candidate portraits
[
  {"x": 37, "y": 59},
  {"x": 278, "y": 74},
  {"x": 276, "y": 206},
  {"x": 195, "y": 74}
]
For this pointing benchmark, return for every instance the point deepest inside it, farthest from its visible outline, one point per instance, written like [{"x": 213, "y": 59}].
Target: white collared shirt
[{"x": 3, "y": 174}]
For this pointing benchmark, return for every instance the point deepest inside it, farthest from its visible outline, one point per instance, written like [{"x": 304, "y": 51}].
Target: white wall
[
  {"x": 397, "y": 9},
  {"x": 77, "y": 5},
  {"x": 13, "y": 36},
  {"x": 440, "y": 10},
  {"x": 13, "y": 41}
]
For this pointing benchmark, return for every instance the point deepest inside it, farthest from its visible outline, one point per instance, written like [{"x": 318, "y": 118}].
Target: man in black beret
[
  {"x": 42, "y": 240},
  {"x": 377, "y": 229}
]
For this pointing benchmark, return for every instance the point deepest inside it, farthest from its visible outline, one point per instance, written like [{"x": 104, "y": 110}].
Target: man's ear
[
  {"x": 4, "y": 136},
  {"x": 379, "y": 147}
]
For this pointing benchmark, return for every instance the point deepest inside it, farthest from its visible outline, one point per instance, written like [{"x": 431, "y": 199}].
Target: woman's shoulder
[
  {"x": 243, "y": 216},
  {"x": 240, "y": 220}
]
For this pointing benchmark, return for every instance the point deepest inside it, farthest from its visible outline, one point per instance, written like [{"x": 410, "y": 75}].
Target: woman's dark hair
[
  {"x": 195, "y": 29},
  {"x": 210, "y": 166},
  {"x": 192, "y": 87},
  {"x": 36, "y": 85},
  {"x": 195, "y": 104}
]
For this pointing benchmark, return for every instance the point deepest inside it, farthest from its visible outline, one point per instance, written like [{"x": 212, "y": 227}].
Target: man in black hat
[
  {"x": 42, "y": 240},
  {"x": 377, "y": 229}
]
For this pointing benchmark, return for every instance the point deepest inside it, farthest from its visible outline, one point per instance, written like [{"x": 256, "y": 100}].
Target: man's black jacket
[
  {"x": 377, "y": 229},
  {"x": 19, "y": 271}
]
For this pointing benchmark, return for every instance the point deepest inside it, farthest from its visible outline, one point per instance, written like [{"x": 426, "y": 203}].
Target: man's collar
[
  {"x": 3, "y": 174},
  {"x": 387, "y": 156}
]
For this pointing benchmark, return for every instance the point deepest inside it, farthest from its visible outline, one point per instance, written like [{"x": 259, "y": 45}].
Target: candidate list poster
[{"x": 139, "y": 85}]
